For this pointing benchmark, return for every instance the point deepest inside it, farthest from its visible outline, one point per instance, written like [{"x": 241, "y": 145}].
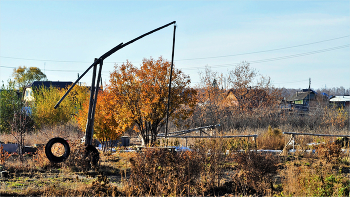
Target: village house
[{"x": 302, "y": 100}]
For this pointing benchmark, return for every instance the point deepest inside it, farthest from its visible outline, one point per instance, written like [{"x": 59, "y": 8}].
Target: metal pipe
[
  {"x": 189, "y": 130},
  {"x": 88, "y": 130},
  {"x": 315, "y": 134},
  {"x": 228, "y": 136}
]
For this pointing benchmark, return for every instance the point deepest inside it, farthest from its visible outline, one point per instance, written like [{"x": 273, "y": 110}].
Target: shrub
[
  {"x": 329, "y": 151},
  {"x": 255, "y": 173},
  {"x": 271, "y": 139},
  {"x": 162, "y": 172},
  {"x": 313, "y": 179}
]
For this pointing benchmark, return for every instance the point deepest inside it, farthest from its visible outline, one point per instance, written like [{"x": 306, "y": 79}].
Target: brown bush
[
  {"x": 79, "y": 159},
  {"x": 163, "y": 172},
  {"x": 309, "y": 177},
  {"x": 272, "y": 139},
  {"x": 255, "y": 173},
  {"x": 329, "y": 151}
]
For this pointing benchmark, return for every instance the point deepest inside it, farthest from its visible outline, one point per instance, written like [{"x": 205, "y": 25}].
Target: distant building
[
  {"x": 340, "y": 101},
  {"x": 29, "y": 94},
  {"x": 250, "y": 98},
  {"x": 302, "y": 100}
]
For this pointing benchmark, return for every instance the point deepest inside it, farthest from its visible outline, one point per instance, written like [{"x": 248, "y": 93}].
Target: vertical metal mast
[
  {"x": 95, "y": 86},
  {"x": 171, "y": 74}
]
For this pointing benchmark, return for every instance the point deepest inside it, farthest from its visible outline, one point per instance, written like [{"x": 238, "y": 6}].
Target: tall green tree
[
  {"x": 10, "y": 102},
  {"x": 23, "y": 76}
]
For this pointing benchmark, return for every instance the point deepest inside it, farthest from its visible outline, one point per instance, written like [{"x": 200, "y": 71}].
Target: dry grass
[
  {"x": 207, "y": 170},
  {"x": 69, "y": 131},
  {"x": 318, "y": 175}
]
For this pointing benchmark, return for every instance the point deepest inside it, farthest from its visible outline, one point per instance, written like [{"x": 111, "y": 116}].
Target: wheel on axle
[
  {"x": 92, "y": 155},
  {"x": 57, "y": 150}
]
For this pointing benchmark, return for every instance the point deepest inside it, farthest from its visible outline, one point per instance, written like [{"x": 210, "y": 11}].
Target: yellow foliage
[
  {"x": 45, "y": 100},
  {"x": 335, "y": 117}
]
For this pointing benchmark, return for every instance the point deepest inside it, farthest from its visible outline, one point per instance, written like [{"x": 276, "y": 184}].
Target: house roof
[
  {"x": 298, "y": 96},
  {"x": 47, "y": 84},
  {"x": 301, "y": 95},
  {"x": 340, "y": 99}
]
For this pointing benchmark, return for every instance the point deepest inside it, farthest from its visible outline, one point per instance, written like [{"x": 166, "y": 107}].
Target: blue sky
[{"x": 62, "y": 38}]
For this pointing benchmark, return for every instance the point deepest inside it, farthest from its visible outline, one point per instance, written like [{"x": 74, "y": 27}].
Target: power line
[
  {"x": 47, "y": 60},
  {"x": 248, "y": 53},
  {"x": 300, "y": 54},
  {"x": 234, "y": 64},
  {"x": 276, "y": 58},
  {"x": 56, "y": 70}
]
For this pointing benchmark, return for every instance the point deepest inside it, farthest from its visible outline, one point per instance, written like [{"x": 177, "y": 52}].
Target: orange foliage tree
[
  {"x": 107, "y": 124},
  {"x": 140, "y": 95}
]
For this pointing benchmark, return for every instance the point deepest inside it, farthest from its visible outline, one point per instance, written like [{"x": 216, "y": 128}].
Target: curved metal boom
[
  {"x": 110, "y": 52},
  {"x": 95, "y": 85}
]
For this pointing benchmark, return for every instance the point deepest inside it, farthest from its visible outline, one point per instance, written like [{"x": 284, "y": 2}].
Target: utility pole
[{"x": 309, "y": 91}]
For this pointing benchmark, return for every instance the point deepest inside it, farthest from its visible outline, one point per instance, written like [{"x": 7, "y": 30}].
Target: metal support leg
[
  {"x": 290, "y": 140},
  {"x": 89, "y": 127},
  {"x": 256, "y": 146},
  {"x": 95, "y": 85}
]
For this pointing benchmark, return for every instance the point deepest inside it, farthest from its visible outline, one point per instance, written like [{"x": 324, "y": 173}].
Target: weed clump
[
  {"x": 320, "y": 175},
  {"x": 272, "y": 139},
  {"x": 81, "y": 159},
  {"x": 255, "y": 173},
  {"x": 159, "y": 171}
]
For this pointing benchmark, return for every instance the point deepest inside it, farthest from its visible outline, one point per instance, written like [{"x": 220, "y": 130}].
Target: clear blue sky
[{"x": 63, "y": 37}]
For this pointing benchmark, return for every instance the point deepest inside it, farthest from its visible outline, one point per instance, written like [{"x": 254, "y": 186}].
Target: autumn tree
[
  {"x": 141, "y": 95},
  {"x": 251, "y": 89},
  {"x": 23, "y": 76},
  {"x": 108, "y": 125},
  {"x": 210, "y": 96},
  {"x": 14, "y": 118},
  {"x": 234, "y": 99}
]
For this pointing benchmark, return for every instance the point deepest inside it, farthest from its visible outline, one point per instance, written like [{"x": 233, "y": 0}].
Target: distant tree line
[{"x": 136, "y": 99}]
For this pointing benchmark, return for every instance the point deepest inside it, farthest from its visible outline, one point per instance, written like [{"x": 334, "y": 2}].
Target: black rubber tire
[
  {"x": 93, "y": 154},
  {"x": 51, "y": 156}
]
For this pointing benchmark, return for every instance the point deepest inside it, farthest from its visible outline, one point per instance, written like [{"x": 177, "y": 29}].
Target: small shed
[{"x": 231, "y": 99}]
